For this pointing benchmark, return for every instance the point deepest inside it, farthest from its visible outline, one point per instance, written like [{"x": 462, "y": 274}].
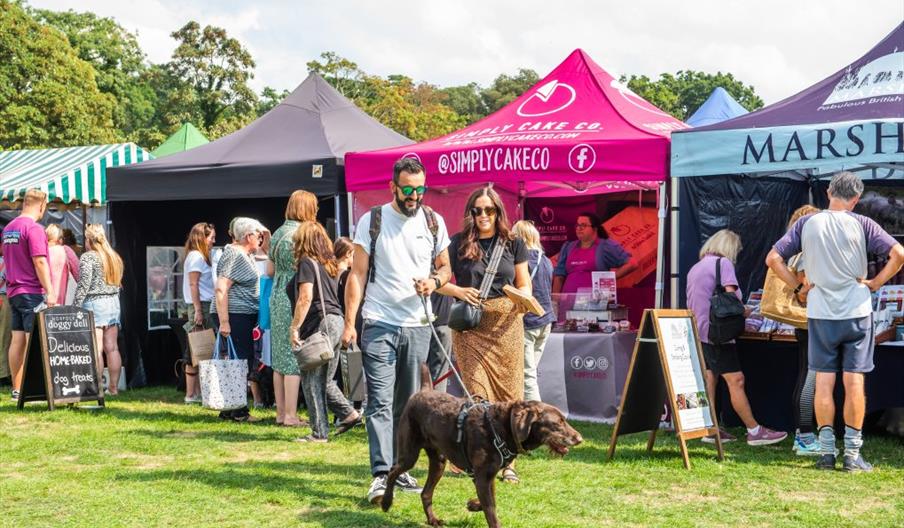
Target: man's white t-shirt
[
  {"x": 195, "y": 262},
  {"x": 405, "y": 251}
]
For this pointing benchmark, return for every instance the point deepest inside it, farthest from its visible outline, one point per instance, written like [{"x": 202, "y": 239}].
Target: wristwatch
[{"x": 439, "y": 283}]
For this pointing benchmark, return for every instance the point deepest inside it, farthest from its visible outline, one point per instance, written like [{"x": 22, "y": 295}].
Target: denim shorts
[{"x": 105, "y": 310}]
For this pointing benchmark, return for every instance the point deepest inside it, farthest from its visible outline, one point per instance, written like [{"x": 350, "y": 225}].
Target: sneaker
[
  {"x": 377, "y": 489},
  {"x": 406, "y": 482},
  {"x": 856, "y": 465},
  {"x": 766, "y": 436},
  {"x": 192, "y": 399},
  {"x": 802, "y": 449},
  {"x": 825, "y": 462},
  {"x": 14, "y": 396},
  {"x": 726, "y": 437}
]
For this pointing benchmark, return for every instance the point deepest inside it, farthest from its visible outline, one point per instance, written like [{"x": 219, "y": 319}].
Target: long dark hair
[{"x": 469, "y": 247}]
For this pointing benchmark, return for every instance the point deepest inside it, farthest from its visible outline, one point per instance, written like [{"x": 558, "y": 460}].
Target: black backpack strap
[
  {"x": 719, "y": 287},
  {"x": 433, "y": 226},
  {"x": 376, "y": 222}
]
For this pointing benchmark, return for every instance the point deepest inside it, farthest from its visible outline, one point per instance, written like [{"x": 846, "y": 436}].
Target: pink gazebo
[{"x": 577, "y": 131}]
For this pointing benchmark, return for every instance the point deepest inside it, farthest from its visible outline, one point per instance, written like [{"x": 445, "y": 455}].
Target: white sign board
[{"x": 688, "y": 385}]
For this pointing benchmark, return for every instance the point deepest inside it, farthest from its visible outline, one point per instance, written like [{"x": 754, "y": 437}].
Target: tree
[
  {"x": 117, "y": 59},
  {"x": 342, "y": 74},
  {"x": 683, "y": 93},
  {"x": 416, "y": 111},
  {"x": 48, "y": 96},
  {"x": 174, "y": 102},
  {"x": 270, "y": 98},
  {"x": 217, "y": 68},
  {"x": 506, "y": 89},
  {"x": 467, "y": 102}
]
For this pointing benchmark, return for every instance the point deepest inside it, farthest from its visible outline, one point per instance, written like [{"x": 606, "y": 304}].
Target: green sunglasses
[{"x": 407, "y": 190}]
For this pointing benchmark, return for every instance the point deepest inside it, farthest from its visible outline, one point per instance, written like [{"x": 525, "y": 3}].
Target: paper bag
[{"x": 200, "y": 343}]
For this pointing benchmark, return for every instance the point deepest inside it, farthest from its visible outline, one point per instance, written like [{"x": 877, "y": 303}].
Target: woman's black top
[
  {"x": 469, "y": 273},
  {"x": 306, "y": 274}
]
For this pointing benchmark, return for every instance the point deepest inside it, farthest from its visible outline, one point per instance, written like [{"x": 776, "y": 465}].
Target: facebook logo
[{"x": 581, "y": 158}]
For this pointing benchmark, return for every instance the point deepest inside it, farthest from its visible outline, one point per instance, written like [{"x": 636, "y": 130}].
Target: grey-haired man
[{"x": 835, "y": 243}]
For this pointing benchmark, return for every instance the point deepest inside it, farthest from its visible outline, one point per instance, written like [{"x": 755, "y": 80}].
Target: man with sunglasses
[{"x": 399, "y": 260}]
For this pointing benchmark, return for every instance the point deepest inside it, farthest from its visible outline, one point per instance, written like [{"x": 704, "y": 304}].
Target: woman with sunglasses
[{"x": 490, "y": 356}]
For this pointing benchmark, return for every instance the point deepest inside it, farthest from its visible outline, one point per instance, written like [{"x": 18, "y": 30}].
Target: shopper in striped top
[{"x": 237, "y": 295}]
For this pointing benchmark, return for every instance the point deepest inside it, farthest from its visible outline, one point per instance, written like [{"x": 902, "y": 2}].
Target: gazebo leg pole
[
  {"x": 675, "y": 221},
  {"x": 351, "y": 214},
  {"x": 660, "y": 245}
]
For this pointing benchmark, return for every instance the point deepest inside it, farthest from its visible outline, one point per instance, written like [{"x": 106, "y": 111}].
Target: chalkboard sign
[
  {"x": 667, "y": 365},
  {"x": 61, "y": 362}
]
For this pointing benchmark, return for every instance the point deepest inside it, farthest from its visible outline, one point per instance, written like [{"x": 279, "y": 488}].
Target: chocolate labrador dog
[{"x": 489, "y": 433}]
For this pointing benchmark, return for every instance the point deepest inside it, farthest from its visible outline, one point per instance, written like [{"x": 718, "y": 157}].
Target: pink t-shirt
[
  {"x": 23, "y": 239},
  {"x": 63, "y": 262}
]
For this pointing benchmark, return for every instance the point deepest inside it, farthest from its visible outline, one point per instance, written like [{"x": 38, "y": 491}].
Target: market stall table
[
  {"x": 583, "y": 374},
  {"x": 770, "y": 373}
]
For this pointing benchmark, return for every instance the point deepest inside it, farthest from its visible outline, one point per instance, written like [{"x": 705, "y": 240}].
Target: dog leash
[
  {"x": 505, "y": 454},
  {"x": 446, "y": 357}
]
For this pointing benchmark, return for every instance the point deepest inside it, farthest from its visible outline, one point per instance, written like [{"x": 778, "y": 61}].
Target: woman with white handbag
[
  {"x": 238, "y": 296},
  {"x": 316, "y": 329}
]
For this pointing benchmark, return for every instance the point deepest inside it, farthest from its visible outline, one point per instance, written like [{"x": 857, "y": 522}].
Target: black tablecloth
[{"x": 770, "y": 370}]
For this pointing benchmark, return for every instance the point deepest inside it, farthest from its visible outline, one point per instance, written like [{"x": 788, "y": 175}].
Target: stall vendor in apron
[{"x": 578, "y": 259}]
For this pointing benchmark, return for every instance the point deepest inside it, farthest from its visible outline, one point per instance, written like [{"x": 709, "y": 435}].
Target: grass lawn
[{"x": 149, "y": 460}]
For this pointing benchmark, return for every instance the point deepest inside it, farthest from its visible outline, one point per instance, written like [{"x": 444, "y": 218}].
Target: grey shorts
[{"x": 842, "y": 345}]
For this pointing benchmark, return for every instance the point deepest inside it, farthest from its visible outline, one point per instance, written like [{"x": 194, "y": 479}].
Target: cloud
[{"x": 779, "y": 47}]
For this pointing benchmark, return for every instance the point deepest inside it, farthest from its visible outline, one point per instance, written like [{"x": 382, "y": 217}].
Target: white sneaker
[
  {"x": 377, "y": 489},
  {"x": 192, "y": 399},
  {"x": 14, "y": 396}
]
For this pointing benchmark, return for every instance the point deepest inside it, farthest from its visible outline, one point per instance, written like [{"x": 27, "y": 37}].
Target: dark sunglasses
[
  {"x": 489, "y": 211},
  {"x": 407, "y": 190}
]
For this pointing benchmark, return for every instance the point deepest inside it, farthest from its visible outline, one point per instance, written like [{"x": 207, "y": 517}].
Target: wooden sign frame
[
  {"x": 36, "y": 364},
  {"x": 649, "y": 383}
]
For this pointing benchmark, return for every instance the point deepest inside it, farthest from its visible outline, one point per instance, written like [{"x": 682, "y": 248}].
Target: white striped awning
[{"x": 69, "y": 174}]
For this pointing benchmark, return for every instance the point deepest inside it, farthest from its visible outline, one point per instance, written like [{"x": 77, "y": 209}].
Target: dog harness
[{"x": 505, "y": 454}]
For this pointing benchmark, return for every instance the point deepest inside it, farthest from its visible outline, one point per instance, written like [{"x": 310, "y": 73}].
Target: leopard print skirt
[{"x": 491, "y": 356}]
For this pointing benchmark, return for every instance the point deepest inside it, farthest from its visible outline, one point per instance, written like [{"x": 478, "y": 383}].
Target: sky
[{"x": 779, "y": 46}]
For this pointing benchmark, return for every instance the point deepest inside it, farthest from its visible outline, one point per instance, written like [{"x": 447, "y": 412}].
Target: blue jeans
[{"x": 392, "y": 358}]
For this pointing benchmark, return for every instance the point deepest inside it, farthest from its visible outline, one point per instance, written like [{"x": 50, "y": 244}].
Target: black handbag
[
  {"x": 726, "y": 312},
  {"x": 464, "y": 315}
]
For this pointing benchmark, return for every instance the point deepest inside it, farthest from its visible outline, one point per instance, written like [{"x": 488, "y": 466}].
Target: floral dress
[{"x": 282, "y": 253}]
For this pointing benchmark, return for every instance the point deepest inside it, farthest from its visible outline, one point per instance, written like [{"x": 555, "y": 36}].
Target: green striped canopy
[{"x": 69, "y": 174}]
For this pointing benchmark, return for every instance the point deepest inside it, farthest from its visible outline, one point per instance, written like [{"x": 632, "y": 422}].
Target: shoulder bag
[
  {"x": 779, "y": 302},
  {"x": 726, "y": 312},
  {"x": 317, "y": 349},
  {"x": 464, "y": 315}
]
